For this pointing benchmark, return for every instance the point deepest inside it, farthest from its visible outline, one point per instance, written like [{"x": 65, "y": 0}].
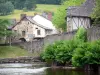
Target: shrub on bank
[
  {"x": 87, "y": 53},
  {"x": 62, "y": 51}
]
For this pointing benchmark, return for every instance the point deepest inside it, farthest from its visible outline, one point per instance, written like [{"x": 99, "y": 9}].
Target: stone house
[
  {"x": 79, "y": 16},
  {"x": 36, "y": 27}
]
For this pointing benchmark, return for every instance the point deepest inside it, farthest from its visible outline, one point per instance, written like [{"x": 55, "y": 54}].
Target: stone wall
[
  {"x": 57, "y": 37},
  {"x": 93, "y": 33},
  {"x": 37, "y": 46},
  {"x": 33, "y": 47}
]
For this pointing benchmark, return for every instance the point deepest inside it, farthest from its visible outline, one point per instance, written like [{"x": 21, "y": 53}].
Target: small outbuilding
[{"x": 79, "y": 16}]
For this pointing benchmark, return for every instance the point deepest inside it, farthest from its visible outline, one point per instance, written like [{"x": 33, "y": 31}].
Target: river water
[{"x": 37, "y": 69}]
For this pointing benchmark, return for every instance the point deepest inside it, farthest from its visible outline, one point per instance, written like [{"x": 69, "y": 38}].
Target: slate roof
[
  {"x": 84, "y": 10},
  {"x": 32, "y": 21},
  {"x": 43, "y": 21}
]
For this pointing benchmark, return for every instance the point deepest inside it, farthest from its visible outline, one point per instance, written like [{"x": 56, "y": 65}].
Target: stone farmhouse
[
  {"x": 79, "y": 16},
  {"x": 36, "y": 27}
]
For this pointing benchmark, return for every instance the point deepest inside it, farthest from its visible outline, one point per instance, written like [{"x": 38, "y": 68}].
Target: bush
[
  {"x": 87, "y": 53},
  {"x": 81, "y": 35},
  {"x": 78, "y": 55},
  {"x": 48, "y": 54},
  {"x": 60, "y": 51}
]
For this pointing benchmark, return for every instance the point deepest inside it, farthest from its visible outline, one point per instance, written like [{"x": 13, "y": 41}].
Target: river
[{"x": 37, "y": 69}]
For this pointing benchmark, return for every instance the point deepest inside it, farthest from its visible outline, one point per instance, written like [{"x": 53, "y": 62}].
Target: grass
[
  {"x": 40, "y": 8},
  {"x": 45, "y": 7},
  {"x": 16, "y": 14},
  {"x": 12, "y": 52}
]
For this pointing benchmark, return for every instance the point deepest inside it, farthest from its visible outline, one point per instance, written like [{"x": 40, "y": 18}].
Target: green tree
[
  {"x": 87, "y": 53},
  {"x": 6, "y": 8},
  {"x": 96, "y": 13},
  {"x": 30, "y": 4},
  {"x": 4, "y": 28},
  {"x": 59, "y": 16},
  {"x": 19, "y": 4},
  {"x": 10, "y": 7},
  {"x": 81, "y": 35},
  {"x": 48, "y": 1}
]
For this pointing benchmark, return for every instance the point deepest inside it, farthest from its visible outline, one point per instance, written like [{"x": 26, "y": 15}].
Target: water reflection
[{"x": 69, "y": 72}]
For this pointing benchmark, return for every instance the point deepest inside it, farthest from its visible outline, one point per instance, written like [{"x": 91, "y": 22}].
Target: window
[
  {"x": 36, "y": 28},
  {"x": 28, "y": 22},
  {"x": 38, "y": 32},
  {"x": 15, "y": 31},
  {"x": 27, "y": 29},
  {"x": 23, "y": 33}
]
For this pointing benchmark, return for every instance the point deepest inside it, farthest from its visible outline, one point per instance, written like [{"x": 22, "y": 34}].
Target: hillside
[{"x": 40, "y": 8}]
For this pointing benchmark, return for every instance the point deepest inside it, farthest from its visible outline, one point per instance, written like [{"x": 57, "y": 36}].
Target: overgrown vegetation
[
  {"x": 96, "y": 13},
  {"x": 50, "y": 1},
  {"x": 62, "y": 51},
  {"x": 6, "y": 7},
  {"x": 77, "y": 51},
  {"x": 87, "y": 53},
  {"x": 4, "y": 24},
  {"x": 12, "y": 52}
]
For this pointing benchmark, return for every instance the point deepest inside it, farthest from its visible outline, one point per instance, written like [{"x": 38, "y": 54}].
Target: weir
[
  {"x": 20, "y": 60},
  {"x": 22, "y": 69}
]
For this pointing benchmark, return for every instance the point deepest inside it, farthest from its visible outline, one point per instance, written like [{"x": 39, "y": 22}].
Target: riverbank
[
  {"x": 68, "y": 68},
  {"x": 12, "y": 51},
  {"x": 26, "y": 59}
]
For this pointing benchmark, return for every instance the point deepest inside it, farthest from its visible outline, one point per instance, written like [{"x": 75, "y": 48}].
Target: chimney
[
  {"x": 22, "y": 16},
  {"x": 35, "y": 14},
  {"x": 50, "y": 16}
]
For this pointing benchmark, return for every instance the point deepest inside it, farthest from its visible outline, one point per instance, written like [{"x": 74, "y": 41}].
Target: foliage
[
  {"x": 19, "y": 4},
  {"x": 59, "y": 18},
  {"x": 49, "y": 53},
  {"x": 96, "y": 13},
  {"x": 87, "y": 53},
  {"x": 30, "y": 4},
  {"x": 48, "y": 1},
  {"x": 6, "y": 8},
  {"x": 10, "y": 7},
  {"x": 81, "y": 35},
  {"x": 62, "y": 51},
  {"x": 3, "y": 28},
  {"x": 60, "y": 14}
]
